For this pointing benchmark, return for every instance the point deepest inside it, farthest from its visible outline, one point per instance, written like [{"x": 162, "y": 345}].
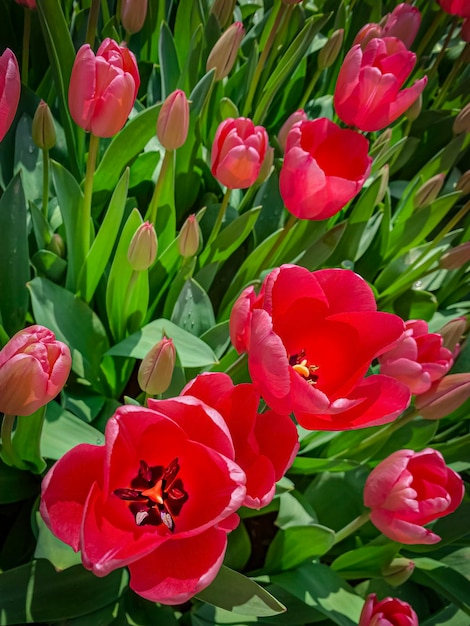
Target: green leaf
[
  {"x": 296, "y": 544},
  {"x": 234, "y": 592},
  {"x": 26, "y": 440},
  {"x": 49, "y": 265},
  {"x": 193, "y": 309},
  {"x": 192, "y": 351},
  {"x": 54, "y": 550},
  {"x": 100, "y": 251},
  {"x": 307, "y": 465},
  {"x": 365, "y": 562},
  {"x": 16, "y": 485},
  {"x": 169, "y": 65},
  {"x": 14, "y": 257},
  {"x": 445, "y": 580},
  {"x": 74, "y": 323},
  {"x": 450, "y": 528}
]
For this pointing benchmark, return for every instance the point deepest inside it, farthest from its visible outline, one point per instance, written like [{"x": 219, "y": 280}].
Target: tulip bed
[{"x": 234, "y": 267}]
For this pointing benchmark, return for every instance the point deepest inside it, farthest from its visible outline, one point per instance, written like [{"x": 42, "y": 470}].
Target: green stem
[
  {"x": 220, "y": 217},
  {"x": 105, "y": 11},
  {"x": 262, "y": 59},
  {"x": 450, "y": 80},
  {"x": 153, "y": 206},
  {"x": 237, "y": 366},
  {"x": 309, "y": 89},
  {"x": 440, "y": 16},
  {"x": 9, "y": 454},
  {"x": 441, "y": 54},
  {"x": 45, "y": 193},
  {"x": 127, "y": 300},
  {"x": 92, "y": 22},
  {"x": 279, "y": 241},
  {"x": 25, "y": 52},
  {"x": 88, "y": 193},
  {"x": 351, "y": 528}
]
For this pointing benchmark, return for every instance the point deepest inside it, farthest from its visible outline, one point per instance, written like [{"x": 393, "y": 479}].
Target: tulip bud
[
  {"x": 329, "y": 53},
  {"x": 133, "y": 14},
  {"x": 452, "y": 332},
  {"x": 266, "y": 166},
  {"x": 384, "y": 178},
  {"x": 223, "y": 54},
  {"x": 382, "y": 143},
  {"x": 429, "y": 191},
  {"x": 173, "y": 121},
  {"x": 156, "y": 369},
  {"x": 445, "y": 396},
  {"x": 57, "y": 245},
  {"x": 143, "y": 247},
  {"x": 43, "y": 130},
  {"x": 462, "y": 121},
  {"x": 297, "y": 116},
  {"x": 456, "y": 257},
  {"x": 223, "y": 11},
  {"x": 415, "y": 109},
  {"x": 398, "y": 571},
  {"x": 188, "y": 240},
  {"x": 463, "y": 184}
]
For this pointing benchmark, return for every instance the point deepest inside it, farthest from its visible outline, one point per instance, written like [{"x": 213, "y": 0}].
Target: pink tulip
[
  {"x": 34, "y": 367},
  {"x": 367, "y": 93},
  {"x": 296, "y": 116},
  {"x": 403, "y": 22},
  {"x": 173, "y": 121},
  {"x": 316, "y": 181},
  {"x": 30, "y": 4},
  {"x": 387, "y": 611},
  {"x": 444, "y": 396},
  {"x": 410, "y": 489},
  {"x": 455, "y": 7},
  {"x": 418, "y": 359},
  {"x": 103, "y": 88},
  {"x": 238, "y": 152},
  {"x": 10, "y": 88}
]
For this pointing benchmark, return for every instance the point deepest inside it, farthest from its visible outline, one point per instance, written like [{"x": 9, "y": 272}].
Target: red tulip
[
  {"x": 297, "y": 116},
  {"x": 455, "y": 7},
  {"x": 159, "y": 497},
  {"x": 265, "y": 444},
  {"x": 238, "y": 151},
  {"x": 403, "y": 22},
  {"x": 34, "y": 367},
  {"x": 310, "y": 338},
  {"x": 10, "y": 88},
  {"x": 418, "y": 359},
  {"x": 367, "y": 93},
  {"x": 30, "y": 4},
  {"x": 316, "y": 181},
  {"x": 387, "y": 611},
  {"x": 103, "y": 88},
  {"x": 410, "y": 489}
]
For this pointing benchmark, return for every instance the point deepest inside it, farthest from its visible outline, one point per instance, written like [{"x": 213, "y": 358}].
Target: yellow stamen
[{"x": 302, "y": 369}]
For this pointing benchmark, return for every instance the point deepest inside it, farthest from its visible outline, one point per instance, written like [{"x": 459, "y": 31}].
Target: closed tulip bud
[
  {"x": 462, "y": 121},
  {"x": 367, "y": 32},
  {"x": 10, "y": 88},
  {"x": 384, "y": 175},
  {"x": 173, "y": 121},
  {"x": 398, "y": 571},
  {"x": 403, "y": 22},
  {"x": 143, "y": 247},
  {"x": 297, "y": 116},
  {"x": 133, "y": 14},
  {"x": 57, "y": 245},
  {"x": 188, "y": 240},
  {"x": 456, "y": 257},
  {"x": 414, "y": 111},
  {"x": 444, "y": 397},
  {"x": 224, "y": 53},
  {"x": 34, "y": 367},
  {"x": 429, "y": 191},
  {"x": 463, "y": 184},
  {"x": 452, "y": 332},
  {"x": 43, "y": 130},
  {"x": 329, "y": 53},
  {"x": 266, "y": 166},
  {"x": 156, "y": 370},
  {"x": 223, "y": 10}
]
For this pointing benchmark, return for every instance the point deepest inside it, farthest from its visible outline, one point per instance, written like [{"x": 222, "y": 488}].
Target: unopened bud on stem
[
  {"x": 224, "y": 53},
  {"x": 143, "y": 248},
  {"x": 188, "y": 239},
  {"x": 329, "y": 53},
  {"x": 43, "y": 130},
  {"x": 173, "y": 121},
  {"x": 429, "y": 191},
  {"x": 156, "y": 370}
]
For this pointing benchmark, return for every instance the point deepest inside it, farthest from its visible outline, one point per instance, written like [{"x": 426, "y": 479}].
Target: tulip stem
[
  {"x": 310, "y": 87},
  {"x": 45, "y": 192},
  {"x": 88, "y": 193},
  {"x": 441, "y": 54},
  {"x": 450, "y": 80},
  {"x": 9, "y": 454},
  {"x": 25, "y": 52},
  {"x": 351, "y": 528},
  {"x": 279, "y": 241},
  {"x": 153, "y": 206},
  {"x": 430, "y": 33},
  {"x": 92, "y": 22},
  {"x": 220, "y": 217},
  {"x": 127, "y": 300}
]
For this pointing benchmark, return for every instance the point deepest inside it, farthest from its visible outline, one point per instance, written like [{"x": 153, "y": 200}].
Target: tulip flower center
[
  {"x": 300, "y": 364},
  {"x": 156, "y": 495}
]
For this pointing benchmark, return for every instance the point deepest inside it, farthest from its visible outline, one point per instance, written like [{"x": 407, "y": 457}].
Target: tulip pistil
[
  {"x": 300, "y": 364},
  {"x": 156, "y": 494}
]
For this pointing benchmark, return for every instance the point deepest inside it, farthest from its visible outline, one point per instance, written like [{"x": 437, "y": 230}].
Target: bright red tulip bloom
[
  {"x": 418, "y": 359},
  {"x": 158, "y": 497},
  {"x": 310, "y": 339},
  {"x": 103, "y": 88},
  {"x": 34, "y": 367},
  {"x": 368, "y": 92},
  {"x": 410, "y": 489},
  {"x": 238, "y": 152},
  {"x": 10, "y": 88},
  {"x": 265, "y": 444},
  {"x": 387, "y": 611},
  {"x": 455, "y": 7},
  {"x": 316, "y": 181}
]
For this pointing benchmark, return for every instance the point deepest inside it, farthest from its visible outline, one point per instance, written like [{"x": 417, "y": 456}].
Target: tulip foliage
[{"x": 234, "y": 366}]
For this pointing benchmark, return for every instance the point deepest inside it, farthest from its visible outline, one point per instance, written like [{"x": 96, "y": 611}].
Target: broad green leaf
[
  {"x": 416, "y": 304},
  {"x": 365, "y": 562},
  {"x": 100, "y": 251},
  {"x": 49, "y": 265},
  {"x": 169, "y": 65},
  {"x": 307, "y": 465},
  {"x": 320, "y": 251},
  {"x": 294, "y": 511},
  {"x": 193, "y": 309},
  {"x": 26, "y": 441},
  {"x": 74, "y": 323},
  {"x": 234, "y": 592},
  {"x": 445, "y": 580},
  {"x": 16, "y": 485},
  {"x": 238, "y": 548},
  {"x": 296, "y": 544},
  {"x": 450, "y": 616},
  {"x": 35, "y": 592},
  {"x": 14, "y": 257},
  {"x": 218, "y": 338},
  {"x": 192, "y": 351},
  {"x": 53, "y": 549}
]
